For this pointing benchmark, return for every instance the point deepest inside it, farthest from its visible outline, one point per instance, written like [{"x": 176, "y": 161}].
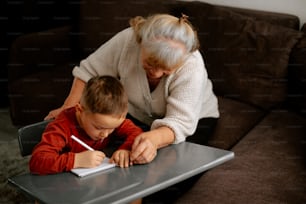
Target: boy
[{"x": 98, "y": 117}]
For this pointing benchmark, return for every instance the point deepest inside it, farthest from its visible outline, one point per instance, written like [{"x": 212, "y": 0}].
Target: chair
[{"x": 29, "y": 136}]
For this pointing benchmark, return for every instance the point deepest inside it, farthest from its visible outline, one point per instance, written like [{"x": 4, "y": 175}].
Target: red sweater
[{"x": 56, "y": 150}]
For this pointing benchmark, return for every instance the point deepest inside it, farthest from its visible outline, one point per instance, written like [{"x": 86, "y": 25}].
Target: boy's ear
[{"x": 79, "y": 107}]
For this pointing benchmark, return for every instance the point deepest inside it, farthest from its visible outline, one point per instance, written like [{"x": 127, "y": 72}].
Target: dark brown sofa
[{"x": 256, "y": 60}]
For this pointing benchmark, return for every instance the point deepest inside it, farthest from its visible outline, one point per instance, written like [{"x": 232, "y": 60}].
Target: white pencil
[{"x": 81, "y": 143}]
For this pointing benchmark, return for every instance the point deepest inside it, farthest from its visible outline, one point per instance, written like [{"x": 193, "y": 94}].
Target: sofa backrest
[
  {"x": 280, "y": 19},
  {"x": 100, "y": 20},
  {"x": 246, "y": 52}
]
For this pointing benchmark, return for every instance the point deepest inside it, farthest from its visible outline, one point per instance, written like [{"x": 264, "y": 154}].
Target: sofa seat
[
  {"x": 236, "y": 119},
  {"x": 269, "y": 164}
]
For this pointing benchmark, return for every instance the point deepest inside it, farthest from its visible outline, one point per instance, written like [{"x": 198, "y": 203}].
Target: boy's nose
[{"x": 104, "y": 133}]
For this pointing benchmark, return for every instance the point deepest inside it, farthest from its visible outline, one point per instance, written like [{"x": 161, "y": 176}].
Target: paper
[{"x": 86, "y": 171}]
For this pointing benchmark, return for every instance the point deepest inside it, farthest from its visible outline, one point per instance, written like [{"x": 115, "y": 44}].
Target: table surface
[{"x": 173, "y": 164}]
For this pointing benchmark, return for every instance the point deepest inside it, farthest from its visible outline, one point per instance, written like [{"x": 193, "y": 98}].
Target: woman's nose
[{"x": 157, "y": 73}]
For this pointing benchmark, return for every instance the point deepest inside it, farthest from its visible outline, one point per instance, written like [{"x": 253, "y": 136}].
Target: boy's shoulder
[
  {"x": 66, "y": 118},
  {"x": 128, "y": 124}
]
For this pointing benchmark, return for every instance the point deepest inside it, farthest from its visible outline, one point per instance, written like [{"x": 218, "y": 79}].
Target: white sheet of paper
[{"x": 86, "y": 171}]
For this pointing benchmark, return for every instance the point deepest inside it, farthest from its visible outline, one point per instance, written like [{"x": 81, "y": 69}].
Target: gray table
[{"x": 173, "y": 164}]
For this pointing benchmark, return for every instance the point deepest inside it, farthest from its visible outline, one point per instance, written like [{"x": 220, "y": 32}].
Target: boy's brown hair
[{"x": 105, "y": 95}]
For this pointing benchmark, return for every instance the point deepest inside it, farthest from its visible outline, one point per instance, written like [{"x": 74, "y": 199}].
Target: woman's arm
[
  {"x": 161, "y": 137},
  {"x": 72, "y": 99}
]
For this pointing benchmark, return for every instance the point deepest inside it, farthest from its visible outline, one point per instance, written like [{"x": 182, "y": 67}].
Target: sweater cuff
[
  {"x": 179, "y": 137},
  {"x": 79, "y": 73},
  {"x": 70, "y": 161}
]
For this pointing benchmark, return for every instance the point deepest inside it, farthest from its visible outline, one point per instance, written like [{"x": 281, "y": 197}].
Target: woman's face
[
  {"x": 97, "y": 126},
  {"x": 152, "y": 69}
]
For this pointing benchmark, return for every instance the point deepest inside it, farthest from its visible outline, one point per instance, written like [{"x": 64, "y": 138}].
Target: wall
[{"x": 295, "y": 7}]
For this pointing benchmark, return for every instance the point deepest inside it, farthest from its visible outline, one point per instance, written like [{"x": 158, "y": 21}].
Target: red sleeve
[
  {"x": 129, "y": 131},
  {"x": 49, "y": 156}
]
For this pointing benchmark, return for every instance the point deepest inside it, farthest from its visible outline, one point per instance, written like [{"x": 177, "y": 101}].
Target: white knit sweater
[{"x": 179, "y": 100}]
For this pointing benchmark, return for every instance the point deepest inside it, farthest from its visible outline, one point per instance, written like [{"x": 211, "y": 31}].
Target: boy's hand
[
  {"x": 121, "y": 158},
  {"x": 88, "y": 159}
]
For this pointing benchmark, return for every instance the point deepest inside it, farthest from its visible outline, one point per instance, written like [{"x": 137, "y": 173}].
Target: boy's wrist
[{"x": 76, "y": 161}]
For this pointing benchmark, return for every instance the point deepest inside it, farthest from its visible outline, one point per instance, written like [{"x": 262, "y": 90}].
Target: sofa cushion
[
  {"x": 236, "y": 120},
  {"x": 246, "y": 58},
  {"x": 269, "y": 166},
  {"x": 33, "y": 52}
]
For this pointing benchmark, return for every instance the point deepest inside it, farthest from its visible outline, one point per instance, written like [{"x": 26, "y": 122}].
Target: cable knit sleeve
[{"x": 189, "y": 98}]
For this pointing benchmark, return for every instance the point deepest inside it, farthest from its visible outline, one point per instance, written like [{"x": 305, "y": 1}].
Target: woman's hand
[
  {"x": 143, "y": 149},
  {"x": 54, "y": 113},
  {"x": 121, "y": 158}
]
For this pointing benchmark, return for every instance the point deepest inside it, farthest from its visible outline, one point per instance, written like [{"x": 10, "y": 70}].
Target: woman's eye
[{"x": 147, "y": 65}]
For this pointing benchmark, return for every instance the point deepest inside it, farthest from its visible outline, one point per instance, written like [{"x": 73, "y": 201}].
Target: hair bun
[{"x": 183, "y": 18}]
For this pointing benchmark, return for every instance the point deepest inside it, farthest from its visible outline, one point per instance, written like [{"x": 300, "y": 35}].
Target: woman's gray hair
[{"x": 169, "y": 39}]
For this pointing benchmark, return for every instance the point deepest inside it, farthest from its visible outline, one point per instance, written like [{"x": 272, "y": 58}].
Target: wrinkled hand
[
  {"x": 88, "y": 159},
  {"x": 121, "y": 158},
  {"x": 143, "y": 149},
  {"x": 54, "y": 113}
]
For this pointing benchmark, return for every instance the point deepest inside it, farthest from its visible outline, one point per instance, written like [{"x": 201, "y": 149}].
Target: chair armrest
[{"x": 38, "y": 51}]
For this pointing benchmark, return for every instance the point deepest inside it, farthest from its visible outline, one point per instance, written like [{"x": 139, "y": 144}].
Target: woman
[{"x": 159, "y": 64}]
